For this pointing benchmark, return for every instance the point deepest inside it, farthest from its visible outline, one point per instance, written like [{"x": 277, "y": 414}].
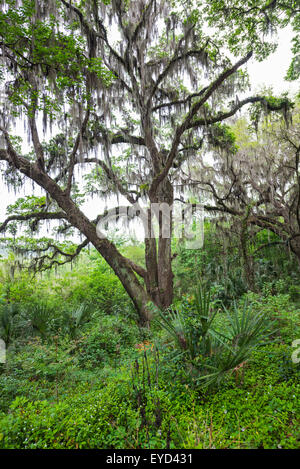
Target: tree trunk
[
  {"x": 151, "y": 267},
  {"x": 247, "y": 260},
  {"x": 295, "y": 248},
  {"x": 158, "y": 254}
]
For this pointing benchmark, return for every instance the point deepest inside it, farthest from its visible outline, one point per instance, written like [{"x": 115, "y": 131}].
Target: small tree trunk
[
  {"x": 165, "y": 274},
  {"x": 295, "y": 248},
  {"x": 247, "y": 260}
]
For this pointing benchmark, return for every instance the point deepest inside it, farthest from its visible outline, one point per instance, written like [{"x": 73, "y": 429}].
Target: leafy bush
[
  {"x": 92, "y": 283},
  {"x": 106, "y": 341},
  {"x": 72, "y": 320},
  {"x": 278, "y": 308}
]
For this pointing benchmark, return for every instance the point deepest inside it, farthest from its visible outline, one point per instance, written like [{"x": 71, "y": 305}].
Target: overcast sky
[{"x": 271, "y": 72}]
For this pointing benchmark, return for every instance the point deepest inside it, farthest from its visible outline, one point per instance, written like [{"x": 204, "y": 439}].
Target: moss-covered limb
[
  {"x": 57, "y": 257},
  {"x": 247, "y": 258},
  {"x": 32, "y": 216},
  {"x": 77, "y": 219},
  {"x": 175, "y": 58},
  {"x": 179, "y": 102},
  {"x": 189, "y": 117},
  {"x": 263, "y": 103}
]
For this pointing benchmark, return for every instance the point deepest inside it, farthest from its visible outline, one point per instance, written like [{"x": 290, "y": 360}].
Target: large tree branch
[
  {"x": 33, "y": 216},
  {"x": 112, "y": 177},
  {"x": 115, "y": 139},
  {"x": 186, "y": 122},
  {"x": 47, "y": 261},
  {"x": 231, "y": 112},
  {"x": 77, "y": 219},
  {"x": 77, "y": 144},
  {"x": 125, "y": 138},
  {"x": 9, "y": 155}
]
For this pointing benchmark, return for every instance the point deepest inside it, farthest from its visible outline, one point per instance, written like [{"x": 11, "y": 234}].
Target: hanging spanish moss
[{"x": 115, "y": 98}]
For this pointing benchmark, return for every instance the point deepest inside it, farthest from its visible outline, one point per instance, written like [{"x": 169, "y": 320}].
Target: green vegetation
[{"x": 80, "y": 372}]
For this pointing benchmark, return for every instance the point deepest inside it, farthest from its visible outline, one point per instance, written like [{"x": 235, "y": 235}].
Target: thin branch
[
  {"x": 75, "y": 149},
  {"x": 38, "y": 148},
  {"x": 170, "y": 64},
  {"x": 181, "y": 101}
]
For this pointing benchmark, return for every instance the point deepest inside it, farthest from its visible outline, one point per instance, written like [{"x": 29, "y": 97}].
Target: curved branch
[
  {"x": 38, "y": 264},
  {"x": 30, "y": 216},
  {"x": 231, "y": 112}
]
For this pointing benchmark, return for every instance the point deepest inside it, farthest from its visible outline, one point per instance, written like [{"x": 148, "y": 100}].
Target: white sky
[{"x": 271, "y": 72}]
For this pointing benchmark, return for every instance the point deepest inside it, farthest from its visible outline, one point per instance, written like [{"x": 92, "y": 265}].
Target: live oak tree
[{"x": 131, "y": 91}]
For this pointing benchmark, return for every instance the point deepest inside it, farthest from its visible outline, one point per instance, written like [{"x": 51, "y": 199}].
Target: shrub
[
  {"x": 208, "y": 352},
  {"x": 109, "y": 337}
]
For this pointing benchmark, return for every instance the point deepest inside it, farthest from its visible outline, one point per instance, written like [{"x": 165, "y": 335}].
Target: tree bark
[
  {"x": 295, "y": 247},
  {"x": 165, "y": 274},
  {"x": 158, "y": 254},
  {"x": 247, "y": 260}
]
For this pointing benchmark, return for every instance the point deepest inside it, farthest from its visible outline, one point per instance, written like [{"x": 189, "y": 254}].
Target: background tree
[
  {"x": 258, "y": 186},
  {"x": 132, "y": 90}
]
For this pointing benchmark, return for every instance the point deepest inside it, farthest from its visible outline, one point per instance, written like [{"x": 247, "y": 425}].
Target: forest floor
[{"x": 109, "y": 384}]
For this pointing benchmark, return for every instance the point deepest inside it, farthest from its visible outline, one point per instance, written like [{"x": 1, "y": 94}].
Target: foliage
[
  {"x": 7, "y": 314},
  {"x": 73, "y": 319},
  {"x": 106, "y": 343},
  {"x": 211, "y": 351},
  {"x": 113, "y": 385},
  {"x": 262, "y": 413}
]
